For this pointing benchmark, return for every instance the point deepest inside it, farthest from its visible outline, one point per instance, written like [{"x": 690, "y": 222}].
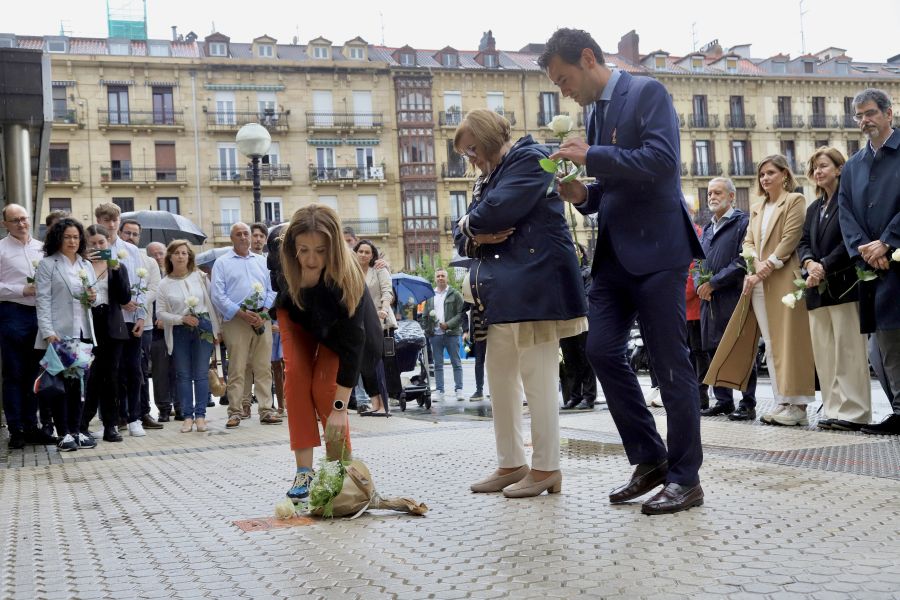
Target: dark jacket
[
  {"x": 534, "y": 274},
  {"x": 119, "y": 294},
  {"x": 823, "y": 242},
  {"x": 454, "y": 308},
  {"x": 869, "y": 209},
  {"x": 723, "y": 259}
]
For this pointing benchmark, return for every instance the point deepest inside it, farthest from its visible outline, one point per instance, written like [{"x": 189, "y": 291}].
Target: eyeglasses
[
  {"x": 858, "y": 117},
  {"x": 18, "y": 221},
  {"x": 130, "y": 233},
  {"x": 469, "y": 152}
]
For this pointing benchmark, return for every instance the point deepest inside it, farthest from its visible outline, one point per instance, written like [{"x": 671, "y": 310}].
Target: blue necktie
[{"x": 599, "y": 116}]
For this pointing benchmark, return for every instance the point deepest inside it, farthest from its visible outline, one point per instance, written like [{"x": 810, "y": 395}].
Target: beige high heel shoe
[
  {"x": 187, "y": 425},
  {"x": 201, "y": 425},
  {"x": 528, "y": 487},
  {"x": 495, "y": 483}
]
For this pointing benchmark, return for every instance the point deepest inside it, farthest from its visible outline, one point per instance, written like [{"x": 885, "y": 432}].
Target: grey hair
[
  {"x": 729, "y": 184},
  {"x": 879, "y": 97},
  {"x": 237, "y": 225}
]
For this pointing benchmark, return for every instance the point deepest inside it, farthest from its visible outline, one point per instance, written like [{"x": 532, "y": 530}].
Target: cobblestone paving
[{"x": 155, "y": 518}]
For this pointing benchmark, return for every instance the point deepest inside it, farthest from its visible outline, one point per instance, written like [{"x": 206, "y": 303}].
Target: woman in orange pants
[{"x": 328, "y": 325}]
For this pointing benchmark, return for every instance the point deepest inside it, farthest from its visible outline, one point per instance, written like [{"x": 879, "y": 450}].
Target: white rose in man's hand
[{"x": 561, "y": 125}]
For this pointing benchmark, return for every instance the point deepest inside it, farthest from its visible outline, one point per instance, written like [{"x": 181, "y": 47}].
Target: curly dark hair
[
  {"x": 370, "y": 245},
  {"x": 53, "y": 241},
  {"x": 567, "y": 44}
]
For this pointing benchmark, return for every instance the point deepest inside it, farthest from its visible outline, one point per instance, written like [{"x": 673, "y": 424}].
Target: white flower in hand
[
  {"x": 122, "y": 254},
  {"x": 432, "y": 313},
  {"x": 561, "y": 125},
  {"x": 82, "y": 274},
  {"x": 141, "y": 272},
  {"x": 35, "y": 263},
  {"x": 258, "y": 287},
  {"x": 747, "y": 254},
  {"x": 789, "y": 300},
  {"x": 192, "y": 301},
  {"x": 895, "y": 255}
]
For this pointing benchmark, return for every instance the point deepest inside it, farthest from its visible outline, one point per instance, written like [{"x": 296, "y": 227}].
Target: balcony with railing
[
  {"x": 421, "y": 223},
  {"x": 706, "y": 169},
  {"x": 417, "y": 170},
  {"x": 455, "y": 170},
  {"x": 128, "y": 176},
  {"x": 744, "y": 121},
  {"x": 343, "y": 175},
  {"x": 66, "y": 118},
  {"x": 817, "y": 121},
  {"x": 63, "y": 176},
  {"x": 848, "y": 123},
  {"x": 140, "y": 119},
  {"x": 368, "y": 227},
  {"x": 544, "y": 119},
  {"x": 450, "y": 118},
  {"x": 231, "y": 121},
  {"x": 269, "y": 175},
  {"x": 222, "y": 230},
  {"x": 742, "y": 169},
  {"x": 510, "y": 115},
  {"x": 699, "y": 121},
  {"x": 788, "y": 122},
  {"x": 339, "y": 121}
]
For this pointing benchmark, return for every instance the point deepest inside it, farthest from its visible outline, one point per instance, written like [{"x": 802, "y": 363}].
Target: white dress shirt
[{"x": 17, "y": 262}]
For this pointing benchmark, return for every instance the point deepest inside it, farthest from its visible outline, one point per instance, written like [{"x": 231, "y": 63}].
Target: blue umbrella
[{"x": 408, "y": 287}]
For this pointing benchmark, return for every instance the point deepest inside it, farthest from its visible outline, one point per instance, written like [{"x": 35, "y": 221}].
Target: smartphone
[{"x": 104, "y": 254}]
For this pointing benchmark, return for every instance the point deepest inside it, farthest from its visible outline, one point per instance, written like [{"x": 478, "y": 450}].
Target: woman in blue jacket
[{"x": 527, "y": 291}]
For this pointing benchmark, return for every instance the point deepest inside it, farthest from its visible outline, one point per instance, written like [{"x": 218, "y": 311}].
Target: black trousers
[
  {"x": 130, "y": 378},
  {"x": 581, "y": 382},
  {"x": 163, "y": 375},
  {"x": 102, "y": 383},
  {"x": 699, "y": 358},
  {"x": 146, "y": 342}
]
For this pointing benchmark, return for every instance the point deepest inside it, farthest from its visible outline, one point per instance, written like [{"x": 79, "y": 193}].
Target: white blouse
[{"x": 171, "y": 302}]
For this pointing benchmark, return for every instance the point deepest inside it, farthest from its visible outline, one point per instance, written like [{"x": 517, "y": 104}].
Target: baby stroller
[{"x": 409, "y": 340}]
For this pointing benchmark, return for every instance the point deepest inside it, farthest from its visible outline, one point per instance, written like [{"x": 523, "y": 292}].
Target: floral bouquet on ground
[
  {"x": 69, "y": 357},
  {"x": 255, "y": 302},
  {"x": 203, "y": 317},
  {"x": 345, "y": 489}
]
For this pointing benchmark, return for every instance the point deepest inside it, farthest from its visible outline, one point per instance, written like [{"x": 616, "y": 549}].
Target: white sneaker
[
  {"x": 652, "y": 397},
  {"x": 437, "y": 396},
  {"x": 135, "y": 429},
  {"x": 460, "y": 397},
  {"x": 767, "y": 418},
  {"x": 790, "y": 416}
]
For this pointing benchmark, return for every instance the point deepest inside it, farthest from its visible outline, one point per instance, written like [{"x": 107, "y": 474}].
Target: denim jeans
[
  {"x": 451, "y": 343},
  {"x": 190, "y": 358}
]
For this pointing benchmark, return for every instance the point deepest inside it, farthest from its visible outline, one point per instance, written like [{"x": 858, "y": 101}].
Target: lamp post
[{"x": 253, "y": 141}]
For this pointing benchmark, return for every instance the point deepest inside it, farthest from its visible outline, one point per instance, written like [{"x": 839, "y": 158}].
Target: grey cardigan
[{"x": 54, "y": 302}]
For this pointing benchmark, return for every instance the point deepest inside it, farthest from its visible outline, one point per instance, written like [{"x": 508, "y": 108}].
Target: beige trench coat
[{"x": 788, "y": 327}]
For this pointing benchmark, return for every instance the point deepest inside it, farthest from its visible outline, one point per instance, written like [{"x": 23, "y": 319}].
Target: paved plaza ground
[{"x": 789, "y": 513}]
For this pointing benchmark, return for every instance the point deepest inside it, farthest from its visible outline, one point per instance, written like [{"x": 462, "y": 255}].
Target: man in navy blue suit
[{"x": 645, "y": 244}]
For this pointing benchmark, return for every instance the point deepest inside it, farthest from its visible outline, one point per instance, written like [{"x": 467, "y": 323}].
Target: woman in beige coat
[{"x": 776, "y": 225}]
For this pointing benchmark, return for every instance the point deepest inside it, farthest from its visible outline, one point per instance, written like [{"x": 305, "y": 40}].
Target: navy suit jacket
[
  {"x": 637, "y": 194},
  {"x": 723, "y": 259},
  {"x": 869, "y": 209}
]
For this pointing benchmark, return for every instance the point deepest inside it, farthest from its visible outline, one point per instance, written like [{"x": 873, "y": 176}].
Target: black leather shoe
[
  {"x": 825, "y": 423},
  {"x": 111, "y": 434},
  {"x": 180, "y": 417},
  {"x": 743, "y": 413},
  {"x": 38, "y": 437},
  {"x": 16, "y": 440},
  {"x": 163, "y": 418},
  {"x": 571, "y": 403},
  {"x": 672, "y": 499},
  {"x": 209, "y": 404},
  {"x": 890, "y": 426},
  {"x": 644, "y": 479},
  {"x": 223, "y": 401},
  {"x": 718, "y": 409},
  {"x": 585, "y": 405},
  {"x": 842, "y": 425}
]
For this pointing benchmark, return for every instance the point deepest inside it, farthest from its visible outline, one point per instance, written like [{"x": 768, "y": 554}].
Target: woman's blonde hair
[
  {"x": 833, "y": 154},
  {"x": 170, "y": 250},
  {"x": 341, "y": 266},
  {"x": 780, "y": 163},
  {"x": 490, "y": 130}
]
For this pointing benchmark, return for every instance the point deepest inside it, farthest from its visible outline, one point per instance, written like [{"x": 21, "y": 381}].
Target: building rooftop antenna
[
  {"x": 694, "y": 41},
  {"x": 802, "y": 31},
  {"x": 381, "y": 16}
]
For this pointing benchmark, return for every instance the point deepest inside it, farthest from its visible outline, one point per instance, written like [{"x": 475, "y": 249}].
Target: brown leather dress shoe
[
  {"x": 270, "y": 420},
  {"x": 233, "y": 421},
  {"x": 645, "y": 478},
  {"x": 672, "y": 499},
  {"x": 150, "y": 423}
]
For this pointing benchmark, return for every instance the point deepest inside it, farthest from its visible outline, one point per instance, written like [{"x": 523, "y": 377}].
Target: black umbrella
[{"x": 163, "y": 226}]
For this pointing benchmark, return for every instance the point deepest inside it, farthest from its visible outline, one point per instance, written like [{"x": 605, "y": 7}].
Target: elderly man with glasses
[{"x": 19, "y": 255}]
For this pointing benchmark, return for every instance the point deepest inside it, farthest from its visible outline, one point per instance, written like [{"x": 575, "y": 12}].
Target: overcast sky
[{"x": 866, "y": 30}]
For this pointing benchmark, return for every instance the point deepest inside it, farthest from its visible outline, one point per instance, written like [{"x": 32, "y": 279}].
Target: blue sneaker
[{"x": 300, "y": 489}]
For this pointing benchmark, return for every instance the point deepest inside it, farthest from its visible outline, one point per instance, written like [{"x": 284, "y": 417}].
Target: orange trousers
[{"x": 310, "y": 383}]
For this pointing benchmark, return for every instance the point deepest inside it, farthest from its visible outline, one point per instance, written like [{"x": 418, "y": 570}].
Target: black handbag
[{"x": 48, "y": 386}]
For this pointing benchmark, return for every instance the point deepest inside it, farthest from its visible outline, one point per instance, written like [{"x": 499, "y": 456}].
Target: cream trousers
[{"x": 514, "y": 374}]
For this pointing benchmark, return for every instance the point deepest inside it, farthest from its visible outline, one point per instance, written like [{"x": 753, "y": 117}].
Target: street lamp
[{"x": 253, "y": 141}]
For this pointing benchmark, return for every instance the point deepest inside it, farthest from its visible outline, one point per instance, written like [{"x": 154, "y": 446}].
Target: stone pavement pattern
[{"x": 789, "y": 513}]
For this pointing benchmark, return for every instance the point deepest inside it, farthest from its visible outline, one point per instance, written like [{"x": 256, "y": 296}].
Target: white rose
[
  {"x": 284, "y": 509},
  {"x": 258, "y": 287},
  {"x": 789, "y": 300},
  {"x": 122, "y": 254},
  {"x": 747, "y": 254},
  {"x": 561, "y": 125},
  {"x": 35, "y": 263},
  {"x": 895, "y": 256},
  {"x": 432, "y": 314},
  {"x": 192, "y": 301},
  {"x": 82, "y": 274},
  {"x": 141, "y": 272}
]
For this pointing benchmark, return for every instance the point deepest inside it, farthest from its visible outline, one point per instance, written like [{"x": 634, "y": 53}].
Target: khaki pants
[
  {"x": 842, "y": 363},
  {"x": 248, "y": 352},
  {"x": 515, "y": 374}
]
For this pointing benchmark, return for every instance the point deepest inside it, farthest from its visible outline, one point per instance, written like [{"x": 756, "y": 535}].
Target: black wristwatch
[{"x": 339, "y": 405}]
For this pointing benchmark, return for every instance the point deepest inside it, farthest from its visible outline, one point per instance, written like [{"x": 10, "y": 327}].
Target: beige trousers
[
  {"x": 248, "y": 352},
  {"x": 515, "y": 374},
  {"x": 841, "y": 362}
]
